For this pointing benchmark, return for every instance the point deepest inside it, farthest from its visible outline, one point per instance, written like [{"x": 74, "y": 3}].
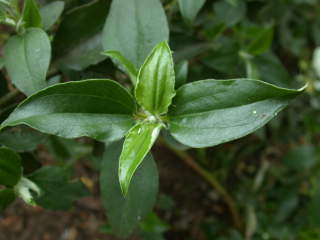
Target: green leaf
[
  {"x": 155, "y": 84},
  {"x": 77, "y": 43},
  {"x": 10, "y": 167},
  {"x": 31, "y": 14},
  {"x": 134, "y": 27},
  {"x": 261, "y": 43},
  {"x": 316, "y": 61},
  {"x": 57, "y": 191},
  {"x": 190, "y": 8},
  {"x": 7, "y": 196},
  {"x": 124, "y": 64},
  {"x": 137, "y": 144},
  {"x": 230, "y": 14},
  {"x": 211, "y": 112},
  {"x": 27, "y": 59},
  {"x": 301, "y": 158},
  {"x": 125, "y": 213},
  {"x": 101, "y": 109},
  {"x": 50, "y": 13},
  {"x": 21, "y": 139},
  {"x": 181, "y": 70}
]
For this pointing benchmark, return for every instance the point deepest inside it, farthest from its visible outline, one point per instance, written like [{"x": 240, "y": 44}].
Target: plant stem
[
  {"x": 206, "y": 175},
  {"x": 8, "y": 97}
]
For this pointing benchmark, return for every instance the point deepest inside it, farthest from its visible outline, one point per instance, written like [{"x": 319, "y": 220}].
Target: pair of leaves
[{"x": 204, "y": 113}]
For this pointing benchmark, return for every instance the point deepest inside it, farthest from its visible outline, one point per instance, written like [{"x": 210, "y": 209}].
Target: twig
[{"x": 206, "y": 175}]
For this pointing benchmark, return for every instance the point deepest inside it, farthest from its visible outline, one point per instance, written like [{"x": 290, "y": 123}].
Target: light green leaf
[
  {"x": 190, "y": 8},
  {"x": 261, "y": 43},
  {"x": 125, "y": 213},
  {"x": 50, "y": 13},
  {"x": 316, "y": 61},
  {"x": 77, "y": 43},
  {"x": 10, "y": 167},
  {"x": 137, "y": 144},
  {"x": 211, "y": 112},
  {"x": 97, "y": 108},
  {"x": 134, "y": 27},
  {"x": 124, "y": 64},
  {"x": 155, "y": 84},
  {"x": 27, "y": 59},
  {"x": 57, "y": 191},
  {"x": 31, "y": 14},
  {"x": 7, "y": 196}
]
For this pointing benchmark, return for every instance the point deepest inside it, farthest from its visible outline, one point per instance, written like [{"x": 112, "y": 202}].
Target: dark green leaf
[
  {"x": 137, "y": 144},
  {"x": 50, "y": 13},
  {"x": 27, "y": 59},
  {"x": 99, "y": 108},
  {"x": 301, "y": 158},
  {"x": 31, "y": 14},
  {"x": 181, "y": 70},
  {"x": 10, "y": 167},
  {"x": 7, "y": 196},
  {"x": 124, "y": 213},
  {"x": 134, "y": 27},
  {"x": 230, "y": 14},
  {"x": 190, "y": 8},
  {"x": 210, "y": 112},
  {"x": 261, "y": 43},
  {"x": 77, "y": 43},
  {"x": 57, "y": 191},
  {"x": 124, "y": 64},
  {"x": 155, "y": 84},
  {"x": 21, "y": 139}
]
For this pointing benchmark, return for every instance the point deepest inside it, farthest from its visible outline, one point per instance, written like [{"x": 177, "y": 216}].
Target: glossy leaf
[
  {"x": 10, "y": 167},
  {"x": 27, "y": 59},
  {"x": 134, "y": 27},
  {"x": 31, "y": 14},
  {"x": 125, "y": 213},
  {"x": 99, "y": 108},
  {"x": 155, "y": 85},
  {"x": 77, "y": 43},
  {"x": 190, "y": 8},
  {"x": 211, "y": 112},
  {"x": 137, "y": 144},
  {"x": 7, "y": 196},
  {"x": 316, "y": 61},
  {"x": 57, "y": 191},
  {"x": 124, "y": 64},
  {"x": 50, "y": 13}
]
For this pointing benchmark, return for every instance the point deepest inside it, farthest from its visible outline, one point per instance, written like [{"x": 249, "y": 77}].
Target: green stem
[
  {"x": 206, "y": 175},
  {"x": 8, "y": 97}
]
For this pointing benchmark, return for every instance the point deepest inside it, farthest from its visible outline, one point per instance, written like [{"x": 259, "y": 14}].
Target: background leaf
[
  {"x": 137, "y": 144},
  {"x": 211, "y": 112},
  {"x": 125, "y": 213},
  {"x": 10, "y": 167},
  {"x": 134, "y": 27},
  {"x": 50, "y": 13},
  {"x": 27, "y": 59},
  {"x": 57, "y": 191},
  {"x": 190, "y": 8},
  {"x": 77, "y": 43},
  {"x": 7, "y": 196},
  {"x": 155, "y": 86},
  {"x": 101, "y": 109}
]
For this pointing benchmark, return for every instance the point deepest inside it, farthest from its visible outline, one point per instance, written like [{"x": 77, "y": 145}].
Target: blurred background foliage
[{"x": 271, "y": 176}]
